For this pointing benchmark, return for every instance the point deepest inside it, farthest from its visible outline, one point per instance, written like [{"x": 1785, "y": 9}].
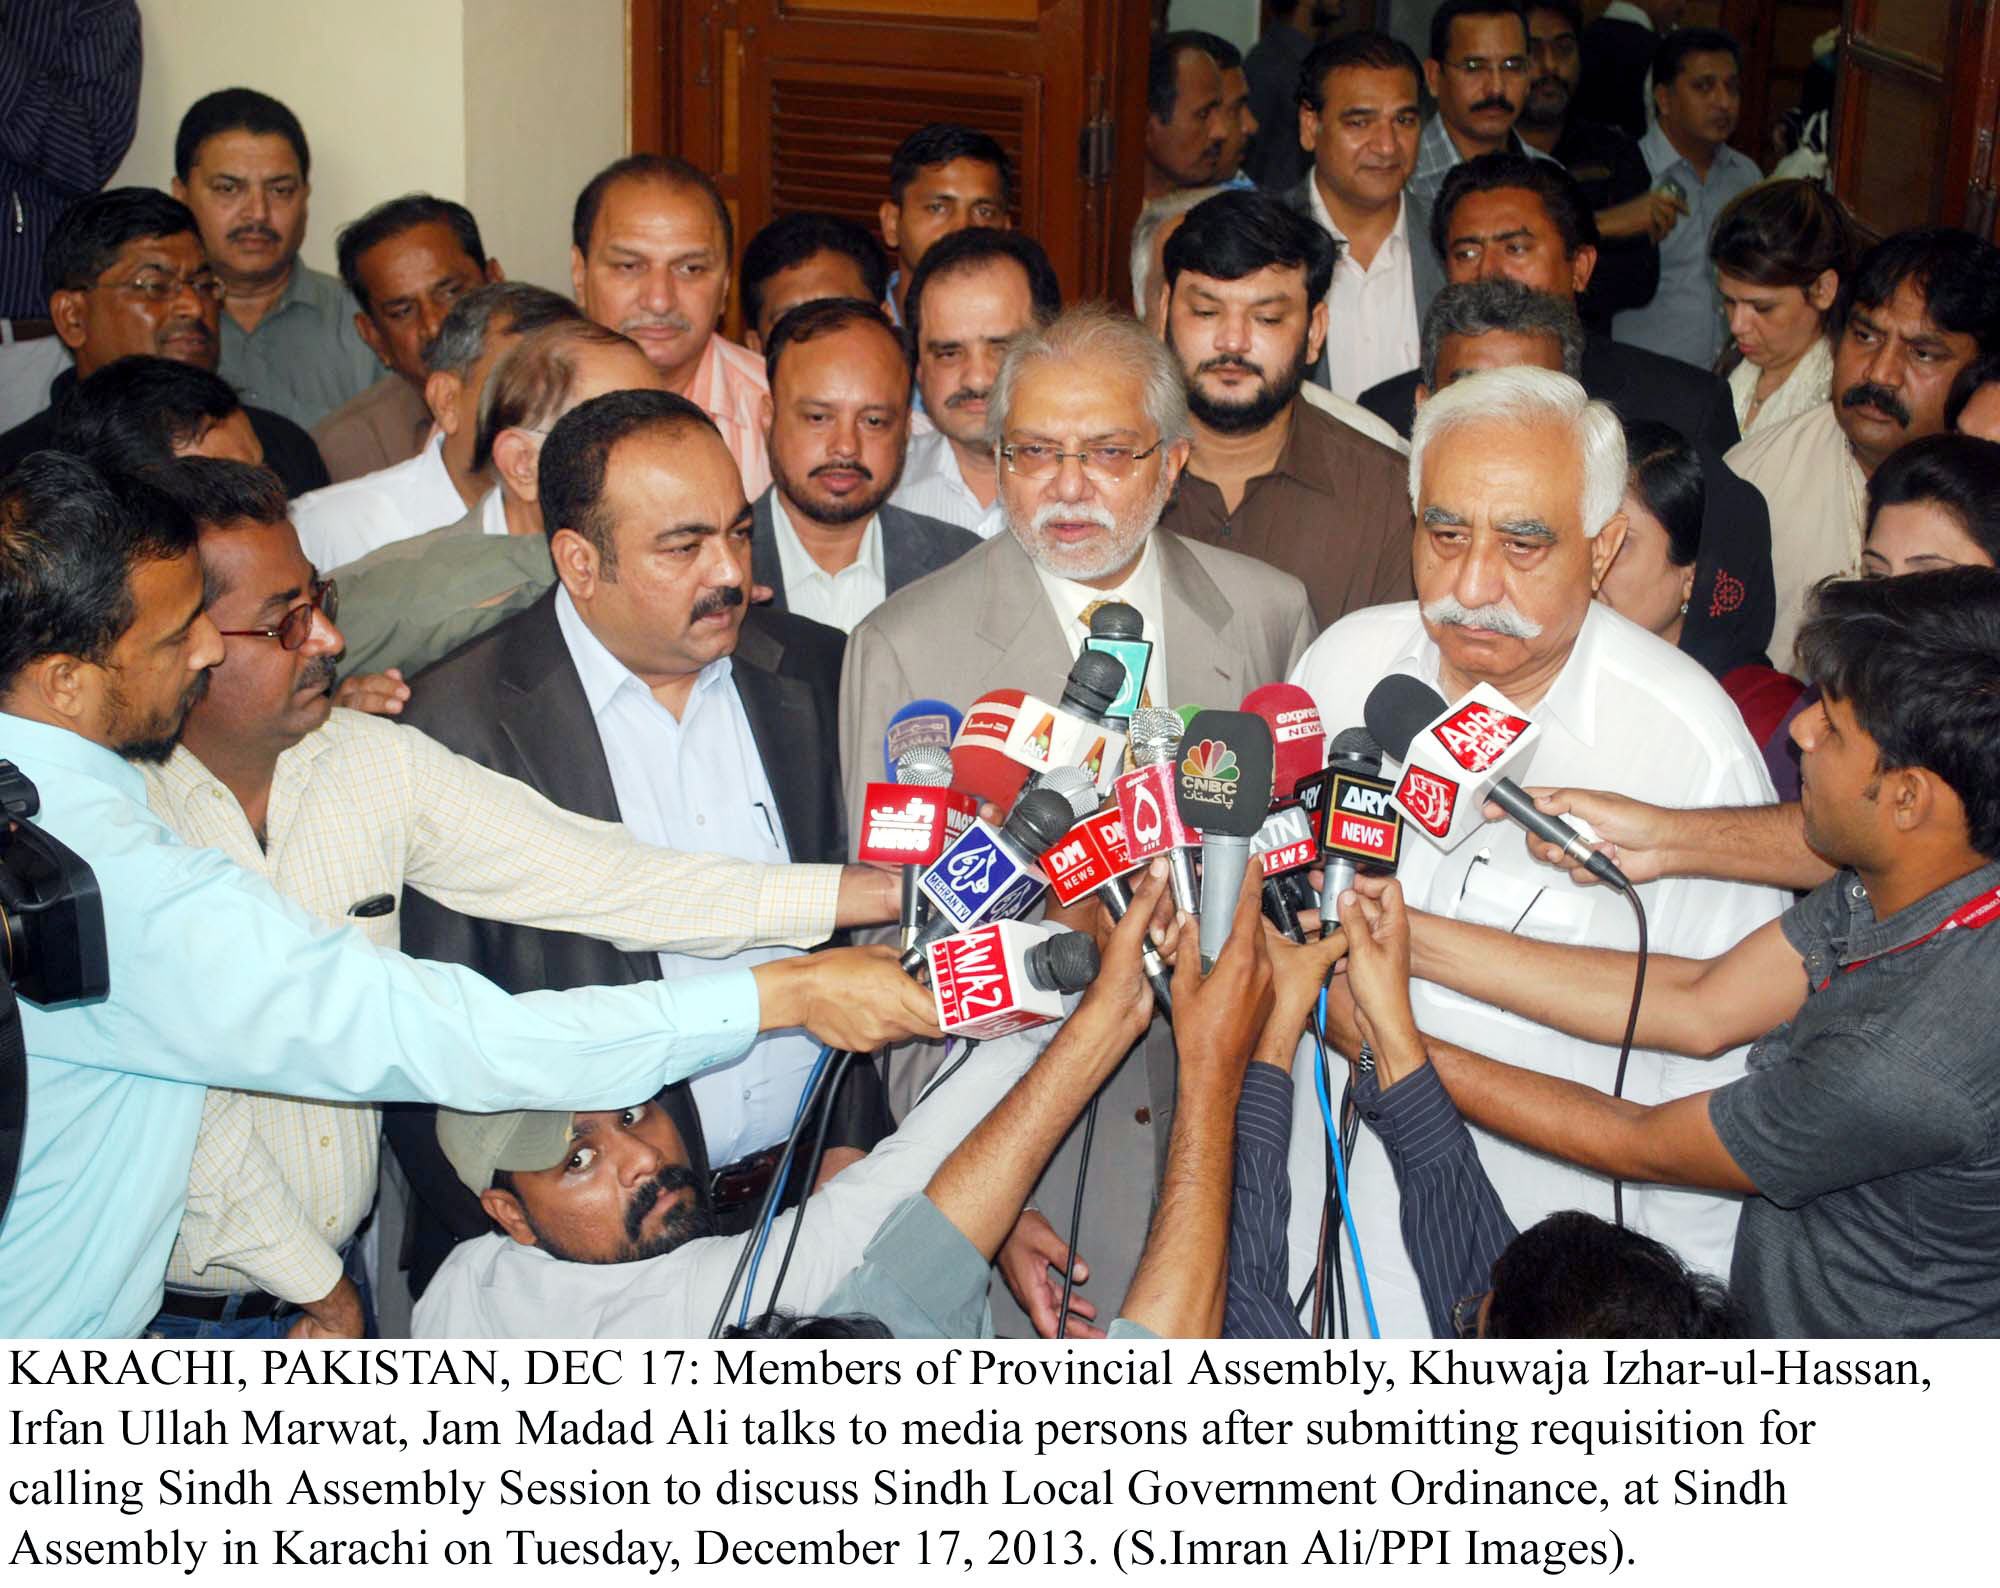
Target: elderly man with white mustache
[{"x": 1516, "y": 479}]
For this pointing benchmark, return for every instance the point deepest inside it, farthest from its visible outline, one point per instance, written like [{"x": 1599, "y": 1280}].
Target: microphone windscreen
[
  {"x": 1066, "y": 962},
  {"x": 1156, "y": 735},
  {"x": 925, "y": 766},
  {"x": 1354, "y": 744},
  {"x": 1095, "y": 681},
  {"x": 1224, "y": 786},
  {"x": 1299, "y": 740},
  {"x": 979, "y": 762},
  {"x": 1397, "y": 710},
  {"x": 1038, "y": 821},
  {"x": 930, "y": 722},
  {"x": 1117, "y": 620},
  {"x": 1073, "y": 784}
]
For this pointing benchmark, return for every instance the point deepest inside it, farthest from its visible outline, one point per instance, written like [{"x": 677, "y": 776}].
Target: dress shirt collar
[
  {"x": 798, "y": 564},
  {"x": 492, "y": 513},
  {"x": 1626, "y": 11},
  {"x": 1572, "y": 698},
  {"x": 1398, "y": 237},
  {"x": 1141, "y": 589},
  {"x": 1661, "y": 157},
  {"x": 25, "y": 739},
  {"x": 303, "y": 291},
  {"x": 604, "y": 677},
  {"x": 1867, "y": 937}
]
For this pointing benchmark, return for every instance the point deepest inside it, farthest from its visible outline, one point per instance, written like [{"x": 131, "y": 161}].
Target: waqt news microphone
[
  {"x": 1149, "y": 806},
  {"x": 910, "y": 822},
  {"x": 1457, "y": 757},
  {"x": 1006, "y": 976},
  {"x": 1223, "y": 786}
]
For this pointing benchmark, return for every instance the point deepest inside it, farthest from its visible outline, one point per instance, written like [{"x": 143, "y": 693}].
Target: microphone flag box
[
  {"x": 1091, "y": 854},
  {"x": 1135, "y": 656},
  {"x": 904, "y": 824},
  {"x": 981, "y": 879},
  {"x": 1045, "y": 736},
  {"x": 1461, "y": 754},
  {"x": 1285, "y": 842},
  {"x": 980, "y": 981},
  {"x": 1358, "y": 820},
  {"x": 1150, "y": 814}
]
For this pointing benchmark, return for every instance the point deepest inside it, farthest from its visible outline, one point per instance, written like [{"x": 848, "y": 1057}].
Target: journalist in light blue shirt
[{"x": 216, "y": 980}]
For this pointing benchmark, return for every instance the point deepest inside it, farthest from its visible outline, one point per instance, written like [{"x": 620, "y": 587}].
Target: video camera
[{"x": 52, "y": 934}]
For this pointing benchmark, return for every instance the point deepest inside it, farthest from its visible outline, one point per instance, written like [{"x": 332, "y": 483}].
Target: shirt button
[
  {"x": 701, "y": 821},
  {"x": 1144, "y": 1116},
  {"x": 326, "y": 1141}
]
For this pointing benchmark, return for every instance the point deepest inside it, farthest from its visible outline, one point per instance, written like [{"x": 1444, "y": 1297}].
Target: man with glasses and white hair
[
  {"x": 1516, "y": 479},
  {"x": 1090, "y": 431}
]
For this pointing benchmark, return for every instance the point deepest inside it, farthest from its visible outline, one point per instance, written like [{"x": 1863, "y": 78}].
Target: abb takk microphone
[
  {"x": 1150, "y": 808},
  {"x": 1223, "y": 786},
  {"x": 987, "y": 875},
  {"x": 1457, "y": 757},
  {"x": 1006, "y": 976}
]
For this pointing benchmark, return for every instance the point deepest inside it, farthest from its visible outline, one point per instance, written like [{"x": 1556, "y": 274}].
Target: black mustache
[
  {"x": 1497, "y": 102},
  {"x": 261, "y": 233},
  {"x": 675, "y": 1177},
  {"x": 319, "y": 674},
  {"x": 1868, "y": 394},
  {"x": 1242, "y": 364},
  {"x": 964, "y": 395},
  {"x": 716, "y": 601},
  {"x": 838, "y": 467}
]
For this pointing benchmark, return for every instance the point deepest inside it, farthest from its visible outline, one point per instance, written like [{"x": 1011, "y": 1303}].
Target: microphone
[
  {"x": 1092, "y": 858},
  {"x": 1358, "y": 821},
  {"x": 980, "y": 764},
  {"x": 1284, "y": 847},
  {"x": 921, "y": 722},
  {"x": 1117, "y": 630},
  {"x": 1149, "y": 806},
  {"x": 1224, "y": 793},
  {"x": 1300, "y": 742},
  {"x": 986, "y": 875},
  {"x": 1456, "y": 757},
  {"x": 1074, "y": 784},
  {"x": 1006, "y": 976},
  {"x": 909, "y": 823}
]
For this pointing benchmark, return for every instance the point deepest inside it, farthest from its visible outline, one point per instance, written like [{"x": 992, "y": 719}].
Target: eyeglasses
[
  {"x": 1480, "y": 66},
  {"x": 297, "y": 624},
  {"x": 1037, "y": 460},
  {"x": 157, "y": 286},
  {"x": 1465, "y": 1315}
]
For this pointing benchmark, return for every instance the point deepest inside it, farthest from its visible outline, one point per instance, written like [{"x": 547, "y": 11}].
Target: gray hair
[
  {"x": 522, "y": 307},
  {"x": 1522, "y": 397},
  {"x": 1097, "y": 331},
  {"x": 1474, "y": 308},
  {"x": 1154, "y": 215}
]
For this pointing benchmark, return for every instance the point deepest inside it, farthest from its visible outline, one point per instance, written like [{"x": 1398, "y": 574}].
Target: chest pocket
[{"x": 383, "y": 928}]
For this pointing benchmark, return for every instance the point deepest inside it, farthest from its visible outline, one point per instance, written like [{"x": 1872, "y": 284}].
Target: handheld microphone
[
  {"x": 1117, "y": 630},
  {"x": 1296, "y": 735},
  {"x": 1285, "y": 847},
  {"x": 1224, "y": 793},
  {"x": 1457, "y": 757},
  {"x": 909, "y": 823},
  {"x": 1079, "y": 730},
  {"x": 1149, "y": 806},
  {"x": 987, "y": 875},
  {"x": 1006, "y": 976},
  {"x": 921, "y": 722},
  {"x": 1092, "y": 858},
  {"x": 1074, "y": 784},
  {"x": 1358, "y": 823}
]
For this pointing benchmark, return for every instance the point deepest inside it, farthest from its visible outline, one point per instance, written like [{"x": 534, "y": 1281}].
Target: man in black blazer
[
  {"x": 826, "y": 542},
  {"x": 1503, "y": 215},
  {"x": 643, "y": 689}
]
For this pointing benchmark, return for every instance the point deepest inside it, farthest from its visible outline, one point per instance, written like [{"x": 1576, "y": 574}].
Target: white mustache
[
  {"x": 1498, "y": 617},
  {"x": 1048, "y": 512}
]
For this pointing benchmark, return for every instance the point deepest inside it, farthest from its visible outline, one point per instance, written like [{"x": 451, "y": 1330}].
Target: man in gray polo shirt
[
  {"x": 288, "y": 337},
  {"x": 1866, "y": 1136}
]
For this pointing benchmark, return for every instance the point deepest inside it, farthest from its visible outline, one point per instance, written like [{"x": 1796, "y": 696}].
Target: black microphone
[
  {"x": 1400, "y": 707},
  {"x": 1355, "y": 753},
  {"x": 1095, "y": 681}
]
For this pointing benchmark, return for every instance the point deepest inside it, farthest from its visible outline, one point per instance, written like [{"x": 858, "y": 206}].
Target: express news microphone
[
  {"x": 910, "y": 822},
  {"x": 987, "y": 875},
  {"x": 1358, "y": 823},
  {"x": 1149, "y": 806},
  {"x": 1224, "y": 793},
  {"x": 1457, "y": 757},
  {"x": 1092, "y": 858},
  {"x": 1118, "y": 629},
  {"x": 1006, "y": 976}
]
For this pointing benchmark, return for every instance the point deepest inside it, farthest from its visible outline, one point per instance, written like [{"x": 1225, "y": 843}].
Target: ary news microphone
[
  {"x": 1006, "y": 976},
  {"x": 1357, "y": 821},
  {"x": 1092, "y": 858},
  {"x": 909, "y": 823},
  {"x": 987, "y": 875},
  {"x": 1457, "y": 757},
  {"x": 921, "y": 722},
  {"x": 1224, "y": 791},
  {"x": 1118, "y": 629},
  {"x": 1149, "y": 806}
]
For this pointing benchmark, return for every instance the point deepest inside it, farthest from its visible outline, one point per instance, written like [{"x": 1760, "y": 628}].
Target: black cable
[
  {"x": 947, "y": 1073},
  {"x": 1625, "y": 1047},
  {"x": 1076, "y": 1215},
  {"x": 836, "y": 1073}
]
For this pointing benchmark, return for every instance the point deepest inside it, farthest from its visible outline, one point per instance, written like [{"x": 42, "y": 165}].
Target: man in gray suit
[
  {"x": 825, "y": 540},
  {"x": 1358, "y": 116},
  {"x": 1091, "y": 429}
]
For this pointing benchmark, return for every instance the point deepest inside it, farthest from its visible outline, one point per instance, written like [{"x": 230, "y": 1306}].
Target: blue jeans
[{"x": 273, "y": 1326}]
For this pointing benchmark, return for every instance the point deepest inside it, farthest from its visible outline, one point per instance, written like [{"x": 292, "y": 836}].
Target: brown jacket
[{"x": 383, "y": 425}]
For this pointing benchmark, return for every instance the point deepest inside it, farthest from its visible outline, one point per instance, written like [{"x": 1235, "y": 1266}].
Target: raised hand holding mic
[{"x": 1149, "y": 806}]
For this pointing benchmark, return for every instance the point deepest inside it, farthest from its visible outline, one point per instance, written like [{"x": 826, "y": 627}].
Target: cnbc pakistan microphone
[
  {"x": 1148, "y": 805},
  {"x": 1457, "y": 757},
  {"x": 910, "y": 822},
  {"x": 1223, "y": 787}
]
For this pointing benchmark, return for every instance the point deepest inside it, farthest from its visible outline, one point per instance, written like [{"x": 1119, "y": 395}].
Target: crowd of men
[{"x": 467, "y": 697}]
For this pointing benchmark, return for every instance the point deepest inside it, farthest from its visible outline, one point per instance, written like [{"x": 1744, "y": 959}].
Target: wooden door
[
  {"x": 798, "y": 104},
  {"x": 1915, "y": 113}
]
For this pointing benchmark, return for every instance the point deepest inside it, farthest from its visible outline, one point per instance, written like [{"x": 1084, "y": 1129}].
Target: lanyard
[{"x": 1982, "y": 911}]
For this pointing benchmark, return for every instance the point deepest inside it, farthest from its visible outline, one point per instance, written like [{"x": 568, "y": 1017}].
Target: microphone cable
[
  {"x": 835, "y": 1076},
  {"x": 1076, "y": 1214},
  {"x": 1631, "y": 1030},
  {"x": 1340, "y": 1165}
]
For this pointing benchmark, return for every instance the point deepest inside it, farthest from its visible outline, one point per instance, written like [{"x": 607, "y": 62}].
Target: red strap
[{"x": 1982, "y": 911}]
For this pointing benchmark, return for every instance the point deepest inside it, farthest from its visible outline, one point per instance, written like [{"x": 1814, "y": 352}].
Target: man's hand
[
  {"x": 1652, "y": 214},
  {"x": 1378, "y": 973},
  {"x": 858, "y": 999},
  {"x": 1026, "y": 1261},
  {"x": 1298, "y": 972},
  {"x": 335, "y": 1316},
  {"x": 1638, "y": 839},
  {"x": 1218, "y": 1016},
  {"x": 869, "y": 896},
  {"x": 379, "y": 694},
  {"x": 1118, "y": 1007}
]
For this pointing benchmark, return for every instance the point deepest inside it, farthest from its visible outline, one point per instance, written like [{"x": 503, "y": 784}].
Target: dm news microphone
[
  {"x": 987, "y": 875},
  {"x": 1006, "y": 976},
  {"x": 1224, "y": 793},
  {"x": 1456, "y": 757},
  {"x": 1092, "y": 858},
  {"x": 1150, "y": 807}
]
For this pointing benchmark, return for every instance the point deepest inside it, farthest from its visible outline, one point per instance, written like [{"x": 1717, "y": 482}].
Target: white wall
[
  {"x": 505, "y": 105},
  {"x": 1234, "y": 20}
]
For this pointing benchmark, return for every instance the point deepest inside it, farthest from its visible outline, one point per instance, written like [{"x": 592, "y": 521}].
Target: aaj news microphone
[{"x": 1223, "y": 790}]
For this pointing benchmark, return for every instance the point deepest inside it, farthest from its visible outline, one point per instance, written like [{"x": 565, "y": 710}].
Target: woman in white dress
[{"x": 1780, "y": 251}]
